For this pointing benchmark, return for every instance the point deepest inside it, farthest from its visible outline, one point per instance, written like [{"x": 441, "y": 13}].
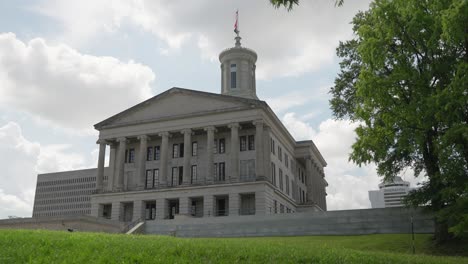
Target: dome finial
[{"x": 236, "y": 30}]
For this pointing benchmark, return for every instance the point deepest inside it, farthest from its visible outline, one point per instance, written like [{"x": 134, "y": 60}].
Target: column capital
[
  {"x": 187, "y": 131},
  {"x": 122, "y": 139},
  {"x": 164, "y": 134},
  {"x": 143, "y": 137},
  {"x": 258, "y": 122},
  {"x": 102, "y": 141},
  {"x": 234, "y": 125},
  {"x": 210, "y": 128}
]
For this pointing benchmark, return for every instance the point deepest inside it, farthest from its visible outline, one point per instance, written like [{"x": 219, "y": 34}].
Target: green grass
[{"x": 34, "y": 246}]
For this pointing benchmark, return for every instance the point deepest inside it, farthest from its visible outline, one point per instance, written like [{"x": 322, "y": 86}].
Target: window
[
  {"x": 215, "y": 171},
  {"x": 150, "y": 212},
  {"x": 155, "y": 177},
  {"x": 233, "y": 75},
  {"x": 287, "y": 184},
  {"x": 247, "y": 169},
  {"x": 280, "y": 153},
  {"x": 194, "y": 148},
  {"x": 215, "y": 146},
  {"x": 273, "y": 174},
  {"x": 286, "y": 160},
  {"x": 181, "y": 175},
  {"x": 174, "y": 176},
  {"x": 222, "y": 145},
  {"x": 281, "y": 209},
  {"x": 149, "y": 153},
  {"x": 220, "y": 171},
  {"x": 251, "y": 142},
  {"x": 193, "y": 174},
  {"x": 131, "y": 155},
  {"x": 175, "y": 151},
  {"x": 280, "y": 174},
  {"x": 243, "y": 143},
  {"x": 149, "y": 179},
  {"x": 157, "y": 153},
  {"x": 276, "y": 206},
  {"x": 272, "y": 145}
]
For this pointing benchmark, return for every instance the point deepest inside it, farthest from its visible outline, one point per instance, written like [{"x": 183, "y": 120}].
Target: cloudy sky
[{"x": 66, "y": 65}]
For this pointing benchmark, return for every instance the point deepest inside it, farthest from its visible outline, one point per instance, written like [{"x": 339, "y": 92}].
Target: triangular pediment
[{"x": 177, "y": 103}]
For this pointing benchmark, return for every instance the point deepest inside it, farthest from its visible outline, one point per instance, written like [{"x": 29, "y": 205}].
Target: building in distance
[{"x": 390, "y": 194}]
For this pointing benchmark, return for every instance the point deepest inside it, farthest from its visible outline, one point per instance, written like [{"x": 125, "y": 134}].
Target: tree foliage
[
  {"x": 289, "y": 4},
  {"x": 404, "y": 78}
]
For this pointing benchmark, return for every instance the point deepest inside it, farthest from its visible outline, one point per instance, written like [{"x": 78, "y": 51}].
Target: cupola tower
[{"x": 238, "y": 71}]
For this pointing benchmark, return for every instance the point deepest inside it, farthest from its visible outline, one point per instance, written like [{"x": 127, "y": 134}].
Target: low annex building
[{"x": 186, "y": 153}]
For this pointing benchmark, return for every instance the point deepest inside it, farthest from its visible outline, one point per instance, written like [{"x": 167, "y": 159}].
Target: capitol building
[{"x": 193, "y": 154}]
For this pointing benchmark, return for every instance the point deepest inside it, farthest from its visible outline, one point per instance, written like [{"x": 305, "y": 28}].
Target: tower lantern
[{"x": 238, "y": 69}]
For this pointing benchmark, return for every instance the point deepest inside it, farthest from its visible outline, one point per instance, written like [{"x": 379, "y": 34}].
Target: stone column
[
  {"x": 187, "y": 155},
  {"x": 259, "y": 153},
  {"x": 234, "y": 170},
  {"x": 161, "y": 208},
  {"x": 163, "y": 162},
  {"x": 112, "y": 168},
  {"x": 209, "y": 154},
  {"x": 100, "y": 171},
  {"x": 116, "y": 212},
  {"x": 141, "y": 172},
  {"x": 260, "y": 203},
  {"x": 234, "y": 204},
  {"x": 267, "y": 153},
  {"x": 121, "y": 163},
  {"x": 184, "y": 206},
  {"x": 309, "y": 182},
  {"x": 138, "y": 210},
  {"x": 208, "y": 205}
]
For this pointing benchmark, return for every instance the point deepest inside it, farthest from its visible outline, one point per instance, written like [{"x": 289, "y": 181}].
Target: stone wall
[
  {"x": 77, "y": 223},
  {"x": 346, "y": 222}
]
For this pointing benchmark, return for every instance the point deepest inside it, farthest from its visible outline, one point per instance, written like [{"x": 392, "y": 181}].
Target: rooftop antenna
[{"x": 236, "y": 29}]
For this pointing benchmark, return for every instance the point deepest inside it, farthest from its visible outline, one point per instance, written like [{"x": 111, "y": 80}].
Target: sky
[{"x": 66, "y": 65}]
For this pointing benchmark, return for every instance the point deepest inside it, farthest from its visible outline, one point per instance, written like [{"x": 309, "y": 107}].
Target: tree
[
  {"x": 289, "y": 4},
  {"x": 404, "y": 78}
]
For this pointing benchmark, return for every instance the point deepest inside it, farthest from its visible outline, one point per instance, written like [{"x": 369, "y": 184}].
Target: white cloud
[
  {"x": 289, "y": 43},
  {"x": 299, "y": 129},
  {"x": 287, "y": 101},
  {"x": 57, "y": 84},
  {"x": 22, "y": 160}
]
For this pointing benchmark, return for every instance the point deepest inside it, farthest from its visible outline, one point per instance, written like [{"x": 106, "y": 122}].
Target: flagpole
[{"x": 237, "y": 14}]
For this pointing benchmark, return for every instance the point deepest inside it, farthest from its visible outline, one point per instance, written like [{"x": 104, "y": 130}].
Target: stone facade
[{"x": 186, "y": 153}]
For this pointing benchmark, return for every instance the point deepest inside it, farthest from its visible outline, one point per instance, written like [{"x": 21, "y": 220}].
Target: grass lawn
[{"x": 34, "y": 246}]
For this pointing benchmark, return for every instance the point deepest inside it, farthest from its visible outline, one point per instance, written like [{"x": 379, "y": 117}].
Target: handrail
[{"x": 131, "y": 225}]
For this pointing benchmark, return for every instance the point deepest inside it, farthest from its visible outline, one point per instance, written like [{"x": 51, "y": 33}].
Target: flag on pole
[{"x": 236, "y": 25}]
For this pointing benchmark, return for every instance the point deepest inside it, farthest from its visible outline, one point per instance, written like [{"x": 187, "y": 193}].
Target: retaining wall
[
  {"x": 77, "y": 223},
  {"x": 346, "y": 222}
]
